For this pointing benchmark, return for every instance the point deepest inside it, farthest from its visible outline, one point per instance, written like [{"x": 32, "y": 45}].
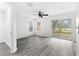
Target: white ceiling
[
  {"x": 56, "y": 7},
  {"x": 51, "y": 7}
]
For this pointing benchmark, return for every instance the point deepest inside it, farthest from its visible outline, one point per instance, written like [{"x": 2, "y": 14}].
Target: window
[
  {"x": 30, "y": 26},
  {"x": 38, "y": 26},
  {"x": 62, "y": 28}
]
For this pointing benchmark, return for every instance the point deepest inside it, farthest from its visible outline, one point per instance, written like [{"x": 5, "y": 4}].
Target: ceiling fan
[{"x": 42, "y": 14}]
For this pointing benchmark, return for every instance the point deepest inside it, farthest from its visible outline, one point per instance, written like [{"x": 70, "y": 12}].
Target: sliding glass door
[{"x": 62, "y": 29}]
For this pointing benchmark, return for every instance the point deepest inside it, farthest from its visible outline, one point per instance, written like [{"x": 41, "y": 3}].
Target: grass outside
[{"x": 64, "y": 33}]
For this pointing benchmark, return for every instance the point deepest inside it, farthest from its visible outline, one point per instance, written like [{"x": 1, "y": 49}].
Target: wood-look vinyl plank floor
[{"x": 39, "y": 46}]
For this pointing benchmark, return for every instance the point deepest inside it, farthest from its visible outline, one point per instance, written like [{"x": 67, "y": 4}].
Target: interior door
[
  {"x": 5, "y": 27},
  {"x": 1, "y": 27},
  {"x": 8, "y": 26}
]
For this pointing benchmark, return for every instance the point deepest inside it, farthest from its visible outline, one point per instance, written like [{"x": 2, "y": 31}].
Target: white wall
[
  {"x": 77, "y": 35},
  {"x": 5, "y": 23},
  {"x": 2, "y": 22},
  {"x": 1, "y": 26},
  {"x": 13, "y": 28},
  {"x": 45, "y": 27},
  {"x": 23, "y": 26},
  {"x": 7, "y": 27}
]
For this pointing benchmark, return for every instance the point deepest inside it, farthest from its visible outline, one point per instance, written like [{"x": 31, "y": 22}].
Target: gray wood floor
[{"x": 39, "y": 46}]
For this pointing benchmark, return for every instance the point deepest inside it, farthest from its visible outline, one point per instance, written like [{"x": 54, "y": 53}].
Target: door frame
[{"x": 10, "y": 16}]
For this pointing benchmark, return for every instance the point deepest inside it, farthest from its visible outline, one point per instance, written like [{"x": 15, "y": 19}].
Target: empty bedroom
[{"x": 38, "y": 29}]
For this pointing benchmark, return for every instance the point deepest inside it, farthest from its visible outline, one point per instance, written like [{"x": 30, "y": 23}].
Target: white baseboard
[
  {"x": 1, "y": 41},
  {"x": 13, "y": 50}
]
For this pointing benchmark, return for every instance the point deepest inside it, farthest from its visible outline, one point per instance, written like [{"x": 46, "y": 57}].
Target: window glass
[
  {"x": 62, "y": 28},
  {"x": 30, "y": 26}
]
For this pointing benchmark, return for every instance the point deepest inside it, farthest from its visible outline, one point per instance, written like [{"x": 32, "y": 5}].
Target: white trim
[{"x": 13, "y": 50}]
